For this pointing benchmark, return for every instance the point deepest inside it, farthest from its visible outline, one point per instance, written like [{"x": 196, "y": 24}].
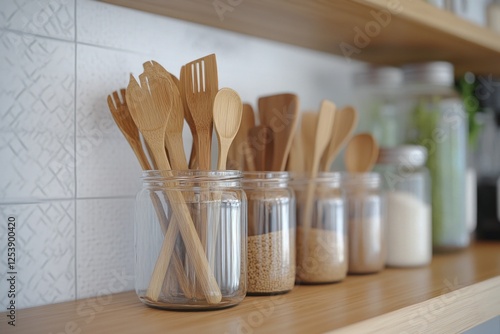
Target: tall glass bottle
[{"x": 439, "y": 123}]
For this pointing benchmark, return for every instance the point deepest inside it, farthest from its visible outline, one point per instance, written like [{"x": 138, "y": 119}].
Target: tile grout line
[{"x": 75, "y": 148}]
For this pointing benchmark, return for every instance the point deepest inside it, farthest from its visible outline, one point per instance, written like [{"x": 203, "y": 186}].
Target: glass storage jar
[
  {"x": 380, "y": 104},
  {"x": 439, "y": 123},
  {"x": 366, "y": 222},
  {"x": 407, "y": 188},
  {"x": 191, "y": 239},
  {"x": 321, "y": 229},
  {"x": 271, "y": 233}
]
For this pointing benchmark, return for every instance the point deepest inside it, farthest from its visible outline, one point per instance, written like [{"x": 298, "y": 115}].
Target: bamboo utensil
[
  {"x": 279, "y": 113},
  {"x": 259, "y": 138},
  {"x": 323, "y": 128},
  {"x": 193, "y": 157},
  {"x": 240, "y": 156},
  {"x": 150, "y": 106},
  {"x": 121, "y": 115},
  {"x": 175, "y": 124},
  {"x": 296, "y": 156},
  {"x": 361, "y": 153},
  {"x": 344, "y": 123},
  {"x": 200, "y": 87},
  {"x": 227, "y": 119}
]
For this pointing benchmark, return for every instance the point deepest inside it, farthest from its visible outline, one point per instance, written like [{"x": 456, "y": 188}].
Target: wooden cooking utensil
[
  {"x": 175, "y": 124},
  {"x": 361, "y": 153},
  {"x": 296, "y": 157},
  {"x": 240, "y": 156},
  {"x": 200, "y": 86},
  {"x": 121, "y": 115},
  {"x": 322, "y": 133},
  {"x": 149, "y": 107},
  {"x": 279, "y": 113},
  {"x": 193, "y": 157},
  {"x": 344, "y": 123},
  {"x": 308, "y": 135},
  {"x": 258, "y": 139},
  {"x": 227, "y": 120}
]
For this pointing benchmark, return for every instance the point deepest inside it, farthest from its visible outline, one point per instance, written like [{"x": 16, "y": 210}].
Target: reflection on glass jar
[
  {"x": 366, "y": 223},
  {"x": 190, "y": 240},
  {"x": 271, "y": 233},
  {"x": 322, "y": 235}
]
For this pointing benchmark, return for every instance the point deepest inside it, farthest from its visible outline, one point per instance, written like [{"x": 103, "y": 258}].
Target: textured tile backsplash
[{"x": 68, "y": 175}]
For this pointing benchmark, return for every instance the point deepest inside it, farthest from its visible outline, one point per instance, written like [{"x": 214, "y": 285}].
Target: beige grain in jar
[
  {"x": 322, "y": 237},
  {"x": 271, "y": 233}
]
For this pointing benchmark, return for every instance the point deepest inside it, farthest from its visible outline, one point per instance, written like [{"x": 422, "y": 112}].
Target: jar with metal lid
[
  {"x": 366, "y": 222},
  {"x": 321, "y": 229},
  {"x": 271, "y": 233},
  {"x": 191, "y": 239},
  {"x": 407, "y": 193},
  {"x": 380, "y": 104},
  {"x": 439, "y": 123}
]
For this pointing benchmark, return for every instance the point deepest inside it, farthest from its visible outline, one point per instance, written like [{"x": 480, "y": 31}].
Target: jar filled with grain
[
  {"x": 321, "y": 229},
  {"x": 271, "y": 233},
  {"x": 191, "y": 239},
  {"x": 366, "y": 222}
]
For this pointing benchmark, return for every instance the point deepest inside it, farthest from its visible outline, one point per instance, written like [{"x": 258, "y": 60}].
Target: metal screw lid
[
  {"x": 438, "y": 73},
  {"x": 414, "y": 155},
  {"x": 385, "y": 76}
]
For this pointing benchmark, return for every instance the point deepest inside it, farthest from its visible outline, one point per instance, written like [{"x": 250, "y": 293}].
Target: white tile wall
[{"x": 66, "y": 171}]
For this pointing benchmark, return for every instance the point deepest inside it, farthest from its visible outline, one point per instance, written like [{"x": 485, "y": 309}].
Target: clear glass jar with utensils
[
  {"x": 191, "y": 240},
  {"x": 407, "y": 192},
  {"x": 271, "y": 233},
  {"x": 438, "y": 122},
  {"x": 321, "y": 230},
  {"x": 366, "y": 222}
]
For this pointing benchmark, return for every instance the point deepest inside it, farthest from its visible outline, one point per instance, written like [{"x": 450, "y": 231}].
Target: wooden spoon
[
  {"x": 344, "y": 123},
  {"x": 149, "y": 107},
  {"x": 279, "y": 113},
  {"x": 361, "y": 153},
  {"x": 227, "y": 120}
]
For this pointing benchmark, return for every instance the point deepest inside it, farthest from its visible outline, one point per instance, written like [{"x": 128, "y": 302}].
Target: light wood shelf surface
[
  {"x": 414, "y": 31},
  {"x": 456, "y": 292}
]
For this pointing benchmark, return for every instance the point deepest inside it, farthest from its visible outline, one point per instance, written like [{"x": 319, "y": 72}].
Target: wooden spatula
[
  {"x": 175, "y": 124},
  {"x": 239, "y": 156},
  {"x": 258, "y": 138},
  {"x": 322, "y": 134},
  {"x": 200, "y": 87},
  {"x": 279, "y": 113}
]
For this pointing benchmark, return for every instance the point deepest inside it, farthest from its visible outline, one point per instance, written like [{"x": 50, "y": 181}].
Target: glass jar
[
  {"x": 321, "y": 229},
  {"x": 380, "y": 104},
  {"x": 366, "y": 222},
  {"x": 439, "y": 123},
  {"x": 190, "y": 240},
  {"x": 407, "y": 193},
  {"x": 271, "y": 233}
]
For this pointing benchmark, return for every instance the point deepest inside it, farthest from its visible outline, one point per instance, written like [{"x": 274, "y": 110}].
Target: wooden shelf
[
  {"x": 456, "y": 292},
  {"x": 414, "y": 32}
]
